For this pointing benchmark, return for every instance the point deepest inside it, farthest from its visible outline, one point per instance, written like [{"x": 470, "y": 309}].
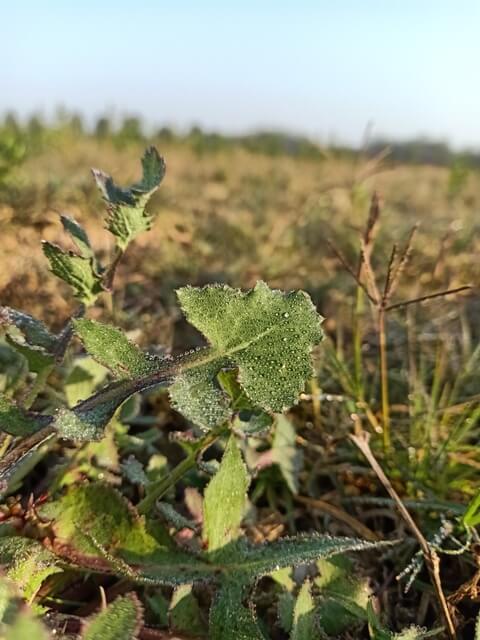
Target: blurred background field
[{"x": 235, "y": 209}]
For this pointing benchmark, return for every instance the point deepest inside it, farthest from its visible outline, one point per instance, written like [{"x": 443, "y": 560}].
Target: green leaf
[
  {"x": 100, "y": 513},
  {"x": 77, "y": 271},
  {"x": 285, "y": 453},
  {"x": 267, "y": 334},
  {"x": 303, "y": 614},
  {"x": 109, "y": 346},
  {"x": 344, "y": 596},
  {"x": 285, "y": 607},
  {"x": 185, "y": 613},
  {"x": 244, "y": 562},
  {"x": 88, "y": 419},
  {"x": 17, "y": 621},
  {"x": 260, "y": 560},
  {"x": 27, "y": 563},
  {"x": 127, "y": 216},
  {"x": 78, "y": 235},
  {"x": 37, "y": 358},
  {"x": 18, "y": 422},
  {"x": 229, "y": 617},
  {"x": 225, "y": 499},
  {"x": 121, "y": 620},
  {"x": 250, "y": 419},
  {"x": 471, "y": 517}
]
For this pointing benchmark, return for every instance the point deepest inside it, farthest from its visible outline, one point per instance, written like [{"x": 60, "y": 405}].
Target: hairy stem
[
  {"x": 38, "y": 386},
  {"x": 160, "y": 488}
]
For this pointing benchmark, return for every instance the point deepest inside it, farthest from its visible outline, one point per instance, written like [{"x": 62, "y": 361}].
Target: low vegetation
[{"x": 187, "y": 451}]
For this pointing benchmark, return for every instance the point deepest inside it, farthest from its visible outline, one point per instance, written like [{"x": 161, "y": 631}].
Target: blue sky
[{"x": 326, "y": 69}]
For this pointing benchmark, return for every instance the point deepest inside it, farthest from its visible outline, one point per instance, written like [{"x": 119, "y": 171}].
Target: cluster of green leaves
[
  {"x": 127, "y": 217},
  {"x": 257, "y": 360}
]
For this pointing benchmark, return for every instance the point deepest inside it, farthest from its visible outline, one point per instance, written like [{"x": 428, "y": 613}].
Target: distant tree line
[{"x": 20, "y": 137}]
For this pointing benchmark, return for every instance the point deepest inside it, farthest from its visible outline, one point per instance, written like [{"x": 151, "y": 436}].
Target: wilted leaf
[
  {"x": 121, "y": 620},
  {"x": 267, "y": 334},
  {"x": 304, "y": 614},
  {"x": 77, "y": 271},
  {"x": 225, "y": 499},
  {"x": 29, "y": 337},
  {"x": 113, "y": 350}
]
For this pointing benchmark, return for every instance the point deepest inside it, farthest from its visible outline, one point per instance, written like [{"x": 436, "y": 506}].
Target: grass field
[{"x": 402, "y": 369}]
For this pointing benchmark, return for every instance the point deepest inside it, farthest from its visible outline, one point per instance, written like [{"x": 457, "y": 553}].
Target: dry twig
[{"x": 432, "y": 561}]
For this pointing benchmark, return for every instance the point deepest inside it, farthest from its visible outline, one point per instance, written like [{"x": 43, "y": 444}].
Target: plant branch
[
  {"x": 349, "y": 269},
  {"x": 432, "y": 561},
  {"x": 158, "y": 490},
  {"x": 429, "y": 296}
]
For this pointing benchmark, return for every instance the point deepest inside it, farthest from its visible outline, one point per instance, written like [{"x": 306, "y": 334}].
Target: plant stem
[
  {"x": 357, "y": 341},
  {"x": 382, "y": 336},
  {"x": 432, "y": 561},
  {"x": 37, "y": 386},
  {"x": 160, "y": 488}
]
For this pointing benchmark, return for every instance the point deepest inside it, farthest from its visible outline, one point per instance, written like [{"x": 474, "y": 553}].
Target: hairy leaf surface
[
  {"x": 127, "y": 216},
  {"x": 27, "y": 563},
  {"x": 225, "y": 499},
  {"x": 267, "y": 334},
  {"x": 229, "y": 617},
  {"x": 112, "y": 349},
  {"x": 77, "y": 271},
  {"x": 121, "y": 620},
  {"x": 17, "y": 421},
  {"x": 304, "y": 614}
]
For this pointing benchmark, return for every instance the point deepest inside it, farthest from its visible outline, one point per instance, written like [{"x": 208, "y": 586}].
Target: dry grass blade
[
  {"x": 432, "y": 561},
  {"x": 341, "y": 515}
]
